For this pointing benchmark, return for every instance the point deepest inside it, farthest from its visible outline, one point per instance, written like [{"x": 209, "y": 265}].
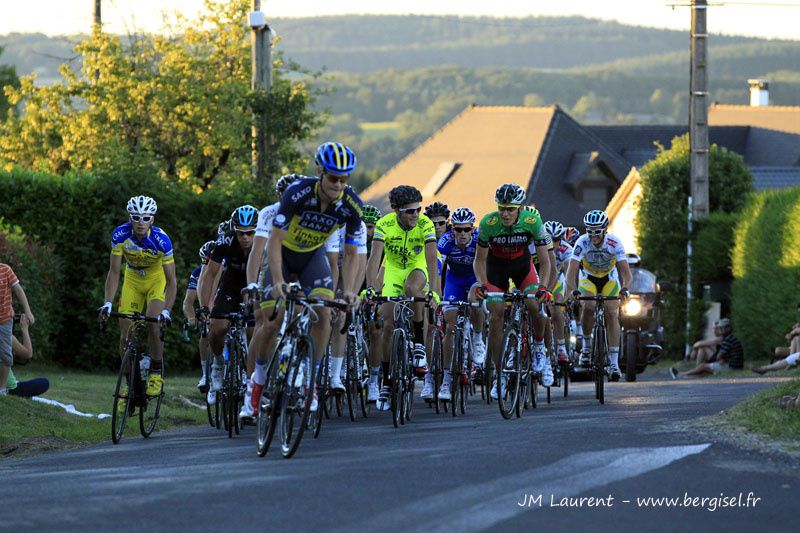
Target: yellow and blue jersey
[
  {"x": 307, "y": 228},
  {"x": 154, "y": 250}
]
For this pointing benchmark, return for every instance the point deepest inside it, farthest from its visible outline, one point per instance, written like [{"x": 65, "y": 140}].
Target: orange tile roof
[
  {"x": 777, "y": 117},
  {"x": 494, "y": 145}
]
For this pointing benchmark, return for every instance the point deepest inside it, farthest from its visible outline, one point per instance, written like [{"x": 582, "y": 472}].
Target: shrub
[
  {"x": 40, "y": 273},
  {"x": 766, "y": 268}
]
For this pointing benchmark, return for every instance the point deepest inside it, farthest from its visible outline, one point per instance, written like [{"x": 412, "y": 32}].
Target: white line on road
[{"x": 496, "y": 501}]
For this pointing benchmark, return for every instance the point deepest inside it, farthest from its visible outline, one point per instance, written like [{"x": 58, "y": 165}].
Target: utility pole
[
  {"x": 97, "y": 27},
  {"x": 98, "y": 20},
  {"x": 698, "y": 140},
  {"x": 261, "y": 84},
  {"x": 698, "y": 110}
]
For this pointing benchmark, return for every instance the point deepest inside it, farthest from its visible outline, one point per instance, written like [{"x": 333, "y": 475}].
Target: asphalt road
[{"x": 438, "y": 473}]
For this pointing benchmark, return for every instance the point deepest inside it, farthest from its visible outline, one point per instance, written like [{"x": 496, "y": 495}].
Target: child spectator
[{"x": 9, "y": 284}]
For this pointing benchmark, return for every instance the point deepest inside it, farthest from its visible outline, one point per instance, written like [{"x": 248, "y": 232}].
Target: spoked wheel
[
  {"x": 321, "y": 379},
  {"x": 457, "y": 367},
  {"x": 123, "y": 394},
  {"x": 148, "y": 413},
  {"x": 229, "y": 394},
  {"x": 396, "y": 372},
  {"x": 351, "y": 378},
  {"x": 533, "y": 389},
  {"x": 298, "y": 394},
  {"x": 436, "y": 366},
  {"x": 510, "y": 366},
  {"x": 488, "y": 380},
  {"x": 271, "y": 395},
  {"x": 565, "y": 378},
  {"x": 598, "y": 362}
]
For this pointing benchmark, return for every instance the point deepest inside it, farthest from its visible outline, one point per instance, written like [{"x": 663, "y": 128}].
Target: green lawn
[
  {"x": 27, "y": 426},
  {"x": 760, "y": 414}
]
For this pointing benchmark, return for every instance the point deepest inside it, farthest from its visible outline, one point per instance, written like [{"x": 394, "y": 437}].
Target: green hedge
[
  {"x": 39, "y": 270},
  {"x": 75, "y": 215},
  {"x": 712, "y": 247},
  {"x": 766, "y": 268}
]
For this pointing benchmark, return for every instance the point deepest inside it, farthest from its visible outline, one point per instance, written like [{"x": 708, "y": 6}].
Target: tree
[
  {"x": 8, "y": 77},
  {"x": 177, "y": 104},
  {"x": 661, "y": 222}
]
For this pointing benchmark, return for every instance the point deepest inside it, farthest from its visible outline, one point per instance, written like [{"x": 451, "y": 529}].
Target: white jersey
[
  {"x": 335, "y": 243},
  {"x": 563, "y": 253},
  {"x": 599, "y": 261},
  {"x": 265, "y": 217}
]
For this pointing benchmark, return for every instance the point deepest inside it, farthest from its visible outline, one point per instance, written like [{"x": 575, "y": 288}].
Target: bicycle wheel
[
  {"x": 148, "y": 413},
  {"x": 437, "y": 365},
  {"x": 321, "y": 379},
  {"x": 229, "y": 391},
  {"x": 409, "y": 382},
  {"x": 631, "y": 351},
  {"x": 270, "y": 399},
  {"x": 126, "y": 368},
  {"x": 509, "y": 372},
  {"x": 396, "y": 375},
  {"x": 297, "y": 396},
  {"x": 362, "y": 372},
  {"x": 598, "y": 364},
  {"x": 211, "y": 410},
  {"x": 456, "y": 367}
]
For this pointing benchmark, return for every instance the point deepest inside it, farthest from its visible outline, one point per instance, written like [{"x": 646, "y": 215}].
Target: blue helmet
[
  {"x": 244, "y": 217},
  {"x": 335, "y": 158}
]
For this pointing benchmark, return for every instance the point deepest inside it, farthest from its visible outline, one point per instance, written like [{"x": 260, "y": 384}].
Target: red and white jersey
[
  {"x": 599, "y": 261},
  {"x": 563, "y": 253}
]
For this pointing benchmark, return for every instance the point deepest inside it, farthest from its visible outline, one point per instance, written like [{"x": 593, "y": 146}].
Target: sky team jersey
[
  {"x": 458, "y": 260},
  {"x": 307, "y": 227},
  {"x": 404, "y": 248},
  {"x": 511, "y": 242},
  {"x": 152, "y": 251},
  {"x": 601, "y": 260},
  {"x": 194, "y": 277}
]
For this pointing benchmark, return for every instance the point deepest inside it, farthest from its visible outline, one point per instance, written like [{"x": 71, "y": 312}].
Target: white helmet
[{"x": 142, "y": 205}]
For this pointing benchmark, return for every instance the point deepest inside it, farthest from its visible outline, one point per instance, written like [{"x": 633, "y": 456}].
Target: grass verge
[
  {"x": 27, "y": 426},
  {"x": 760, "y": 414}
]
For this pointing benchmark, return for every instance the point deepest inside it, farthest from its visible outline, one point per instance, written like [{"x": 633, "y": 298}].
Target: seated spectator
[
  {"x": 794, "y": 344},
  {"x": 730, "y": 355},
  {"x": 788, "y": 362},
  {"x": 23, "y": 352},
  {"x": 704, "y": 351},
  {"x": 9, "y": 284}
]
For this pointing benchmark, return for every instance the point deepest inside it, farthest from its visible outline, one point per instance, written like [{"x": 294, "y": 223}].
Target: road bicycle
[
  {"x": 234, "y": 380},
  {"x": 600, "y": 344}
]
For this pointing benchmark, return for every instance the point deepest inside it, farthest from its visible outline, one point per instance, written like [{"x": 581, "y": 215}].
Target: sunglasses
[
  {"x": 595, "y": 232},
  {"x": 463, "y": 230},
  {"x": 410, "y": 210},
  {"x": 141, "y": 218},
  {"x": 249, "y": 232},
  {"x": 507, "y": 207},
  {"x": 337, "y": 179},
  {"x": 439, "y": 222}
]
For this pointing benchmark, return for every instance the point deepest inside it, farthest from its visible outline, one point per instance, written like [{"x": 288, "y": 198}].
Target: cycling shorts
[
  {"x": 229, "y": 297},
  {"x": 608, "y": 285},
  {"x": 311, "y": 269},
  {"x": 140, "y": 287},
  {"x": 394, "y": 279},
  {"x": 520, "y": 270},
  {"x": 457, "y": 288}
]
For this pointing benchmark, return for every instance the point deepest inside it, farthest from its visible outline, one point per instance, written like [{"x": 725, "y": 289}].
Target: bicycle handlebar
[
  {"x": 136, "y": 317},
  {"x": 598, "y": 298}
]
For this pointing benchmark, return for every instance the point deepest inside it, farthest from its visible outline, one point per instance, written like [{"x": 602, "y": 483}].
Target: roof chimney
[{"x": 759, "y": 93}]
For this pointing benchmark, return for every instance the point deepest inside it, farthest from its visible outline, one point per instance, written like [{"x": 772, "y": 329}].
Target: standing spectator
[
  {"x": 23, "y": 352},
  {"x": 729, "y": 356},
  {"x": 9, "y": 283}
]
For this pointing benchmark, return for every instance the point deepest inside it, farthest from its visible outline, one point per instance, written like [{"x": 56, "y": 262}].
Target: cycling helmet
[
  {"x": 595, "y": 220},
  {"x": 554, "y": 228},
  {"x": 634, "y": 259},
  {"x": 370, "y": 214},
  {"x": 206, "y": 249},
  {"x": 509, "y": 194},
  {"x": 142, "y": 205},
  {"x": 224, "y": 227},
  {"x": 404, "y": 195},
  {"x": 462, "y": 216},
  {"x": 335, "y": 158},
  {"x": 284, "y": 181},
  {"x": 437, "y": 209},
  {"x": 571, "y": 235},
  {"x": 244, "y": 217}
]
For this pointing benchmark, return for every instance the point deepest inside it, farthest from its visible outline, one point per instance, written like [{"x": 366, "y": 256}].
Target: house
[{"x": 564, "y": 167}]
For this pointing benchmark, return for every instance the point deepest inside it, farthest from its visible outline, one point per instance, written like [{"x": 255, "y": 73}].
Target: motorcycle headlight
[
  {"x": 632, "y": 308},
  {"x": 573, "y": 339}
]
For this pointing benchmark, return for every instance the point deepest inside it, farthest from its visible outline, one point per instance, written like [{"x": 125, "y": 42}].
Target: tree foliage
[
  {"x": 662, "y": 221},
  {"x": 8, "y": 77},
  {"x": 178, "y": 104}
]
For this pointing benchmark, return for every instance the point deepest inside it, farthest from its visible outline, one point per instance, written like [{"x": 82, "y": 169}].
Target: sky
[{"x": 739, "y": 17}]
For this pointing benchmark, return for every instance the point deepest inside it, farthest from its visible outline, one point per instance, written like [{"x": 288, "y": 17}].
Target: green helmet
[{"x": 370, "y": 214}]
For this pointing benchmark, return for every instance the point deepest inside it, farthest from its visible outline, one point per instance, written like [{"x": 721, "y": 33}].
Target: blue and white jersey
[
  {"x": 458, "y": 260},
  {"x": 194, "y": 277}
]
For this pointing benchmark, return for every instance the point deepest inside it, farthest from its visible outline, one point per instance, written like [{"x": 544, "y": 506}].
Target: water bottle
[{"x": 144, "y": 367}]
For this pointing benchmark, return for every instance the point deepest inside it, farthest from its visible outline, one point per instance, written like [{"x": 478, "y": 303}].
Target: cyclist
[
  {"x": 601, "y": 259},
  {"x": 457, "y": 248},
  {"x": 191, "y": 316},
  {"x": 408, "y": 239},
  {"x": 562, "y": 252},
  {"x": 439, "y": 214},
  {"x": 232, "y": 249},
  {"x": 149, "y": 285},
  {"x": 503, "y": 239},
  {"x": 371, "y": 216},
  {"x": 311, "y": 210}
]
